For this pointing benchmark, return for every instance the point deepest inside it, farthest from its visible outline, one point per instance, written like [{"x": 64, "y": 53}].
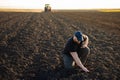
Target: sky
[{"x": 60, "y": 4}]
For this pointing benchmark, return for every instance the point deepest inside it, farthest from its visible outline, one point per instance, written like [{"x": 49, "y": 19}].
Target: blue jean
[{"x": 82, "y": 54}]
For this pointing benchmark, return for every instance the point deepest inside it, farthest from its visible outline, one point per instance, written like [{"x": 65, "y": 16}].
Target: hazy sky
[{"x": 60, "y": 4}]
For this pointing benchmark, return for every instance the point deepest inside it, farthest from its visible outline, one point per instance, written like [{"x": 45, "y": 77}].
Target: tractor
[{"x": 47, "y": 8}]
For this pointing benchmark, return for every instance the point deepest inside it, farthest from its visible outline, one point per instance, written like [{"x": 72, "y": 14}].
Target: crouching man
[{"x": 76, "y": 51}]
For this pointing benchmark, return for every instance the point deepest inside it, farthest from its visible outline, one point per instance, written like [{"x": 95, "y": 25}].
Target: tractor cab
[{"x": 47, "y": 8}]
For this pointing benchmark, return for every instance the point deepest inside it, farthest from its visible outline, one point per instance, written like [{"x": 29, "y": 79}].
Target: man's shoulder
[{"x": 70, "y": 40}]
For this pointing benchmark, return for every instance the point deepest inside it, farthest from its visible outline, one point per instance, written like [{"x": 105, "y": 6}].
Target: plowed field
[{"x": 31, "y": 45}]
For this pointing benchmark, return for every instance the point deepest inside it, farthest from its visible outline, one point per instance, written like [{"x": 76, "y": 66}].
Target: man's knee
[
  {"x": 86, "y": 50},
  {"x": 85, "y": 53}
]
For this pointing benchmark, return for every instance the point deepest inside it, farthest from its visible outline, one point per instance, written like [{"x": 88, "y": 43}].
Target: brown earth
[{"x": 31, "y": 45}]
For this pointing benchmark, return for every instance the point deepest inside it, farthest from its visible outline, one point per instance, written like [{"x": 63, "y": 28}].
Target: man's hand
[{"x": 85, "y": 69}]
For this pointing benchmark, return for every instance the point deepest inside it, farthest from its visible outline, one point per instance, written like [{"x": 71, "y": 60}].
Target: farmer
[{"x": 76, "y": 51}]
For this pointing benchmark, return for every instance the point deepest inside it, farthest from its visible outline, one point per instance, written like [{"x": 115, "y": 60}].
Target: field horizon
[{"x": 57, "y": 10}]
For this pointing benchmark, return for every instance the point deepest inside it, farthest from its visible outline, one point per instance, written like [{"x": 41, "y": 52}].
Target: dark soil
[{"x": 31, "y": 45}]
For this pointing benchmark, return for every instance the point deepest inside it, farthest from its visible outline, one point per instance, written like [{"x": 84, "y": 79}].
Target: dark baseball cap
[{"x": 78, "y": 34}]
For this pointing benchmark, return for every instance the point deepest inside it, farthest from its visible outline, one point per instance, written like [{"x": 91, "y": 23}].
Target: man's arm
[
  {"x": 86, "y": 41},
  {"x": 78, "y": 61}
]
